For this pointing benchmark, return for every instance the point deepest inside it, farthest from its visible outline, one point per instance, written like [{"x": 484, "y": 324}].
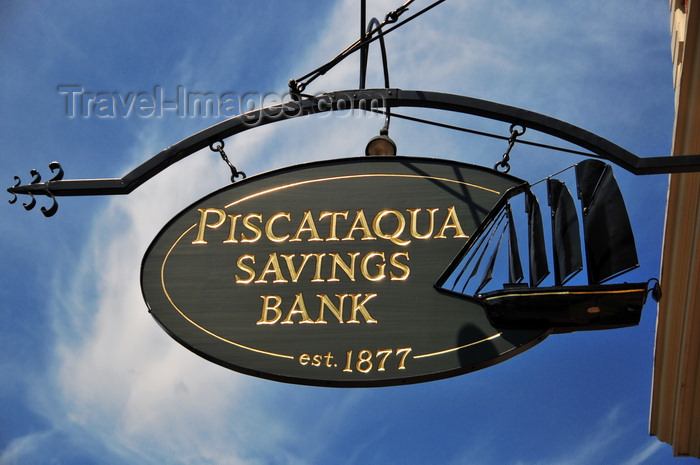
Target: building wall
[{"x": 675, "y": 403}]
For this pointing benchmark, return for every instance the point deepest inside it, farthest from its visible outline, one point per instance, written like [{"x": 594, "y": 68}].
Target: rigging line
[
  {"x": 553, "y": 174},
  {"x": 358, "y": 44},
  {"x": 472, "y": 252},
  {"x": 485, "y": 134},
  {"x": 475, "y": 270},
  {"x": 469, "y": 255},
  {"x": 368, "y": 38},
  {"x": 488, "y": 273}
]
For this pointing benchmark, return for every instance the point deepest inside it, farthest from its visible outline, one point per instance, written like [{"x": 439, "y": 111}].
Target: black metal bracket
[
  {"x": 359, "y": 99},
  {"x": 36, "y": 181},
  {"x": 297, "y": 86},
  {"x": 375, "y": 26}
]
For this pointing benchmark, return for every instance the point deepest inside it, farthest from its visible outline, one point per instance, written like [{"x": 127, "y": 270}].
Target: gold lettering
[
  {"x": 272, "y": 266},
  {"x": 334, "y": 219},
  {"x": 361, "y": 308},
  {"x": 414, "y": 223},
  {"x": 246, "y": 268},
  {"x": 349, "y": 269},
  {"x": 319, "y": 262},
  {"x": 402, "y": 266},
  {"x": 298, "y": 308},
  {"x": 451, "y": 222},
  {"x": 307, "y": 225},
  {"x": 327, "y": 302},
  {"x": 360, "y": 224},
  {"x": 264, "y": 320},
  {"x": 364, "y": 266},
  {"x": 232, "y": 229},
  {"x": 257, "y": 232},
  {"x": 268, "y": 227},
  {"x": 203, "y": 215},
  {"x": 393, "y": 237},
  {"x": 290, "y": 264}
]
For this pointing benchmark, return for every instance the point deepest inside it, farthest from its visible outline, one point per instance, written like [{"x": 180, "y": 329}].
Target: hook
[
  {"x": 295, "y": 89},
  {"x": 655, "y": 290}
]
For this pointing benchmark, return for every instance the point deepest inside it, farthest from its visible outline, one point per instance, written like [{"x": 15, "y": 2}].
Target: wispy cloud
[
  {"x": 646, "y": 453},
  {"x": 30, "y": 445}
]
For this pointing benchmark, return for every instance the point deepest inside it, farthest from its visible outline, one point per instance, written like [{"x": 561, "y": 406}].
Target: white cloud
[
  {"x": 653, "y": 446},
  {"x": 124, "y": 378},
  {"x": 29, "y": 445}
]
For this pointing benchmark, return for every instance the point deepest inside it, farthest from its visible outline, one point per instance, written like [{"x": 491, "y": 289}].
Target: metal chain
[
  {"x": 218, "y": 146},
  {"x": 503, "y": 166}
]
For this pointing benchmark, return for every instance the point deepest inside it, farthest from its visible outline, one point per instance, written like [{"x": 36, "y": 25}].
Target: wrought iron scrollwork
[
  {"x": 18, "y": 181},
  {"x": 36, "y": 180},
  {"x": 31, "y": 204},
  {"x": 51, "y": 211},
  {"x": 56, "y": 166},
  {"x": 37, "y": 187}
]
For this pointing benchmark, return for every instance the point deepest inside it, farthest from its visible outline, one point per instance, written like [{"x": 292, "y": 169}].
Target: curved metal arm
[
  {"x": 362, "y": 99},
  {"x": 375, "y": 26}
]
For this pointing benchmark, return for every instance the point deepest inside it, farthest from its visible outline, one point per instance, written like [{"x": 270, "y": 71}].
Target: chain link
[
  {"x": 503, "y": 166},
  {"x": 218, "y": 146}
]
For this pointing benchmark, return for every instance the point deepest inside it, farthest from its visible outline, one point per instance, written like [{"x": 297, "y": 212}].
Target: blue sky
[{"x": 88, "y": 377}]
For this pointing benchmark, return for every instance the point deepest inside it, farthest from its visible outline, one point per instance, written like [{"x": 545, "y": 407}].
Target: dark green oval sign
[{"x": 324, "y": 273}]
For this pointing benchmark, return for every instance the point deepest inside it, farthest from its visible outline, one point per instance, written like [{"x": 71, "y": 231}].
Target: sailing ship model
[{"x": 609, "y": 252}]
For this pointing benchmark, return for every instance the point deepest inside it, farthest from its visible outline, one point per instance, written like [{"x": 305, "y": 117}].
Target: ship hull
[{"x": 566, "y": 308}]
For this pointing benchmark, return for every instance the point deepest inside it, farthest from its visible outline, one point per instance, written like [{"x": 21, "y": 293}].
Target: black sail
[
  {"x": 610, "y": 249},
  {"x": 566, "y": 239},
  {"x": 488, "y": 273},
  {"x": 515, "y": 267},
  {"x": 538, "y": 254}
]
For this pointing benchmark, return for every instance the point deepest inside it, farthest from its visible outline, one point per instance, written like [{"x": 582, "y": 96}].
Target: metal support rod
[
  {"x": 364, "y": 51},
  {"x": 375, "y": 26}
]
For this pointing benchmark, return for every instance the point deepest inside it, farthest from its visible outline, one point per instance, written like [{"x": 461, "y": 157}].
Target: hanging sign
[{"x": 324, "y": 273}]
